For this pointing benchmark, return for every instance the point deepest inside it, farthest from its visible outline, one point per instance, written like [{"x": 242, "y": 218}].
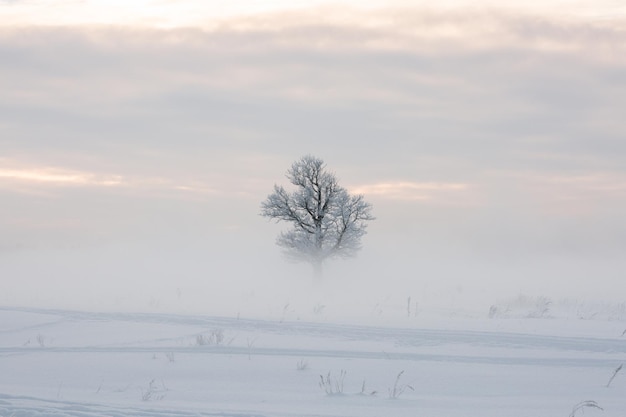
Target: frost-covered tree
[{"x": 327, "y": 221}]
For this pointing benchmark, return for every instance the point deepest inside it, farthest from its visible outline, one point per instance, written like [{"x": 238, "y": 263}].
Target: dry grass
[
  {"x": 582, "y": 405},
  {"x": 619, "y": 368},
  {"x": 332, "y": 385},
  {"x": 398, "y": 388}
]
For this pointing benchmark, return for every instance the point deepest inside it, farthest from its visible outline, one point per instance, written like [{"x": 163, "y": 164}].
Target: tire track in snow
[
  {"x": 322, "y": 353},
  {"x": 400, "y": 336},
  {"x": 35, "y": 407}
]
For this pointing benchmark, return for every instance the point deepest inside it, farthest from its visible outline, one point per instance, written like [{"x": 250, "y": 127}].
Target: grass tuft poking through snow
[
  {"x": 619, "y": 368},
  {"x": 302, "y": 365},
  {"x": 153, "y": 392},
  {"x": 364, "y": 390},
  {"x": 332, "y": 385},
  {"x": 398, "y": 388}
]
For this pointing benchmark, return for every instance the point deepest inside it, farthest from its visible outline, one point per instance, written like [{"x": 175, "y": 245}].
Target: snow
[{"x": 72, "y": 363}]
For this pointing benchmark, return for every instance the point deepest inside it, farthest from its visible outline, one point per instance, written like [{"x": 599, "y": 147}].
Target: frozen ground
[{"x": 67, "y": 363}]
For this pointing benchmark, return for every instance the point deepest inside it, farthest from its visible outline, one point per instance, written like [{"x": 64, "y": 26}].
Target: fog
[{"x": 133, "y": 159}]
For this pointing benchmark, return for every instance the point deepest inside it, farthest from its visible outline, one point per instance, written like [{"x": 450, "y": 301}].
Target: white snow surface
[{"x": 85, "y": 364}]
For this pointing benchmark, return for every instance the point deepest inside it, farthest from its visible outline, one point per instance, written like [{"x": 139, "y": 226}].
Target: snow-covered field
[{"x": 68, "y": 363}]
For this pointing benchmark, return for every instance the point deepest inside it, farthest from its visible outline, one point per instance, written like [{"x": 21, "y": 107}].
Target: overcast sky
[{"x": 138, "y": 138}]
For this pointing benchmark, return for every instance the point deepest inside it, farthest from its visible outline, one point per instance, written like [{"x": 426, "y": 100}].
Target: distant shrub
[
  {"x": 522, "y": 306},
  {"x": 214, "y": 338}
]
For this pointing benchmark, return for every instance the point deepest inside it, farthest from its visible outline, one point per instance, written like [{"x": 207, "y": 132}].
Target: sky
[{"x": 138, "y": 139}]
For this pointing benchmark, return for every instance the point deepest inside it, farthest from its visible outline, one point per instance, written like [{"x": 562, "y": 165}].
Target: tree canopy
[{"x": 327, "y": 222}]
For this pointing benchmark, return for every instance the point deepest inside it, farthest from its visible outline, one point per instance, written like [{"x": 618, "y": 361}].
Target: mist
[{"x": 133, "y": 161}]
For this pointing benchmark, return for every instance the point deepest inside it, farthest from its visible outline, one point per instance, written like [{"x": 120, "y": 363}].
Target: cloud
[
  {"x": 218, "y": 77},
  {"x": 22, "y": 178},
  {"x": 59, "y": 177},
  {"x": 209, "y": 14},
  {"x": 406, "y": 190},
  {"x": 479, "y": 96}
]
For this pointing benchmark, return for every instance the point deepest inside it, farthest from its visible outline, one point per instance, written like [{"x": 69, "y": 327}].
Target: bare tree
[{"x": 327, "y": 221}]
